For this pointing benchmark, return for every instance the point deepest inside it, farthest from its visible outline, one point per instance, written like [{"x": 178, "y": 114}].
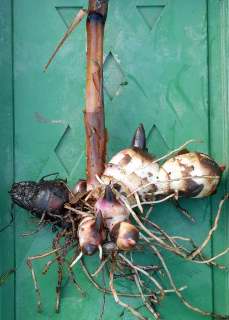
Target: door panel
[
  {"x": 156, "y": 71},
  {"x": 7, "y": 258}
]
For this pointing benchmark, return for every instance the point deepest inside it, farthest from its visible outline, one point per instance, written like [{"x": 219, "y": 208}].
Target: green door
[{"x": 166, "y": 65}]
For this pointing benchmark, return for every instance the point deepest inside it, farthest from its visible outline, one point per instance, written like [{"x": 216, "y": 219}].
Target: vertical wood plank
[
  {"x": 6, "y": 157},
  {"x": 218, "y": 21}
]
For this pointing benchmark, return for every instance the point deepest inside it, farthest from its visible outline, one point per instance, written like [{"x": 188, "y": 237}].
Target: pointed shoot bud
[
  {"x": 112, "y": 210},
  {"x": 90, "y": 236},
  {"x": 139, "y": 139},
  {"x": 109, "y": 195}
]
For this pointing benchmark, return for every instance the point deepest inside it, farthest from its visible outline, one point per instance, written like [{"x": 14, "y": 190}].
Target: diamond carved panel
[
  {"x": 114, "y": 77},
  {"x": 67, "y": 14},
  {"x": 150, "y": 14},
  {"x": 66, "y": 151},
  {"x": 156, "y": 143}
]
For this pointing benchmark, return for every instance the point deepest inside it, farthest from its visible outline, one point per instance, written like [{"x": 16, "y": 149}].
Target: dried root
[
  {"x": 117, "y": 299},
  {"x": 59, "y": 252}
]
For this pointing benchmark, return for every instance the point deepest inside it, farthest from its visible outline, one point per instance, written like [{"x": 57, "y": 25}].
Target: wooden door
[{"x": 165, "y": 64}]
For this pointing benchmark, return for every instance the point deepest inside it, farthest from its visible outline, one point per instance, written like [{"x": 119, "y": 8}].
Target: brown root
[
  {"x": 178, "y": 293},
  {"x": 117, "y": 299},
  {"x": 212, "y": 230}
]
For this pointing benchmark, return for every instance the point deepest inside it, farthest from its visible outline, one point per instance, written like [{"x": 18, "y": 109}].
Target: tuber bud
[
  {"x": 91, "y": 234},
  {"x": 116, "y": 219}
]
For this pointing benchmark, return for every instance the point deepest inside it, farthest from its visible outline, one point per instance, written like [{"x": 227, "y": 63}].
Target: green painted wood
[
  {"x": 219, "y": 131},
  {"x": 162, "y": 68},
  {"x": 6, "y": 159}
]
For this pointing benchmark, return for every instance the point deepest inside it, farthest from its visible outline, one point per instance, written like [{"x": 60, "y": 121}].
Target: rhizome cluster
[{"x": 113, "y": 219}]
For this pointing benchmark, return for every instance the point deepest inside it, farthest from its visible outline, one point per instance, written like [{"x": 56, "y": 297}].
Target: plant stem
[{"x": 94, "y": 113}]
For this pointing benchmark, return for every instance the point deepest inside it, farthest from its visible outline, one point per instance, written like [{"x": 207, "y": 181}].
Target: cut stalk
[{"x": 94, "y": 112}]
